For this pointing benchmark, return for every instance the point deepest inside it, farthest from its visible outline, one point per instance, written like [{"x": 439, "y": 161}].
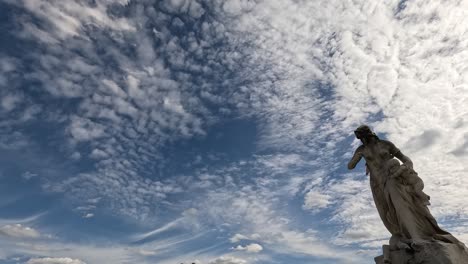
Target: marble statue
[{"x": 403, "y": 206}]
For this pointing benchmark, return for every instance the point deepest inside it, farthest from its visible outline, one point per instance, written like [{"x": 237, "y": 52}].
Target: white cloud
[
  {"x": 238, "y": 237},
  {"x": 114, "y": 88},
  {"x": 7, "y": 64},
  {"x": 61, "y": 252},
  {"x": 18, "y": 231},
  {"x": 314, "y": 200},
  {"x": 75, "y": 156},
  {"x": 257, "y": 208},
  {"x": 82, "y": 129},
  {"x": 145, "y": 252},
  {"x": 188, "y": 220},
  {"x": 54, "y": 261},
  {"x": 377, "y": 65},
  {"x": 196, "y": 10},
  {"x": 306, "y": 80},
  {"x": 98, "y": 154},
  {"x": 127, "y": 110},
  {"x": 88, "y": 215},
  {"x": 9, "y": 102},
  {"x": 27, "y": 175},
  {"x": 251, "y": 248},
  {"x": 227, "y": 260},
  {"x": 69, "y": 18}
]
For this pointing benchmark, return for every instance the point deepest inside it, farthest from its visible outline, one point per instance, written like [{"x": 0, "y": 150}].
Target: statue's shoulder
[
  {"x": 360, "y": 148},
  {"x": 387, "y": 142},
  {"x": 390, "y": 145}
]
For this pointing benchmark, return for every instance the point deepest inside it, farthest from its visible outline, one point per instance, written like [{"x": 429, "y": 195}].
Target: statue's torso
[{"x": 377, "y": 155}]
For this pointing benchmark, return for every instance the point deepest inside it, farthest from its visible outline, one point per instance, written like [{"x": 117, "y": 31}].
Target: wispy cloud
[
  {"x": 227, "y": 260},
  {"x": 114, "y": 86},
  {"x": 251, "y": 248},
  {"x": 18, "y": 231},
  {"x": 54, "y": 261}
]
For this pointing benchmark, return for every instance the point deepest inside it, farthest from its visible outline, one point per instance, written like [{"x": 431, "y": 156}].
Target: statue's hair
[{"x": 364, "y": 131}]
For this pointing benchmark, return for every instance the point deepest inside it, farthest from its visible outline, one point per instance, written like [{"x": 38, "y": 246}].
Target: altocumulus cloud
[
  {"x": 251, "y": 248},
  {"x": 54, "y": 261},
  {"x": 121, "y": 86},
  {"x": 227, "y": 260},
  {"x": 18, "y": 231}
]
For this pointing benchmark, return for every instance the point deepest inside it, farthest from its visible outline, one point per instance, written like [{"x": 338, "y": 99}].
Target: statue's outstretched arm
[{"x": 356, "y": 158}]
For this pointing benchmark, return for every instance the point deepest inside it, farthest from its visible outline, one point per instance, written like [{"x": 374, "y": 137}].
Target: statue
[{"x": 402, "y": 205}]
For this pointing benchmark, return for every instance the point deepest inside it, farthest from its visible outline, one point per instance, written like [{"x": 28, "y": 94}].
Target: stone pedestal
[{"x": 434, "y": 252}]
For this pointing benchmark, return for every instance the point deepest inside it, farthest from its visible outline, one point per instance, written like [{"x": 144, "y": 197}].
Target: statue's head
[{"x": 364, "y": 132}]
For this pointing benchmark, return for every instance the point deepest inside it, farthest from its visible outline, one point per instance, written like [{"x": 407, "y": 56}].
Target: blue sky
[{"x": 218, "y": 132}]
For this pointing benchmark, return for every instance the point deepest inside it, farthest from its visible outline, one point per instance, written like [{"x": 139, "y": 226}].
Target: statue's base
[{"x": 433, "y": 252}]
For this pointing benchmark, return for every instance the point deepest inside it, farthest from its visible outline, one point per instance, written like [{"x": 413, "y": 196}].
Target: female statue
[{"x": 398, "y": 192}]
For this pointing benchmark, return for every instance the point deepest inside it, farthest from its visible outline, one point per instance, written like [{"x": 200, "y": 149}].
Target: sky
[{"x": 218, "y": 132}]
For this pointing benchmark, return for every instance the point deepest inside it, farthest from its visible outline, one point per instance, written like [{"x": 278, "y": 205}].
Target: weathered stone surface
[{"x": 434, "y": 252}]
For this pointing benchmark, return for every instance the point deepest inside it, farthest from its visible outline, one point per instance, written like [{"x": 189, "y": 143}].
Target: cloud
[
  {"x": 60, "y": 251},
  {"x": 18, "y": 231},
  {"x": 28, "y": 175},
  {"x": 227, "y": 260},
  {"x": 256, "y": 206},
  {"x": 12, "y": 140},
  {"x": 69, "y": 19},
  {"x": 88, "y": 215},
  {"x": 98, "y": 154},
  {"x": 376, "y": 69},
  {"x": 130, "y": 85},
  {"x": 82, "y": 129},
  {"x": 315, "y": 200},
  {"x": 54, "y": 261},
  {"x": 119, "y": 114},
  {"x": 251, "y": 248},
  {"x": 144, "y": 252},
  {"x": 238, "y": 237},
  {"x": 188, "y": 220},
  {"x": 9, "y": 102}
]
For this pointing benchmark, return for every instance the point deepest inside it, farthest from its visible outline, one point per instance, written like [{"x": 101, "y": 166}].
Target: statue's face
[
  {"x": 358, "y": 134},
  {"x": 362, "y": 132}
]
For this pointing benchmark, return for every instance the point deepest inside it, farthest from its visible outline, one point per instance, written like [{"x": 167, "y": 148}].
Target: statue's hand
[
  {"x": 401, "y": 245},
  {"x": 408, "y": 165}
]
